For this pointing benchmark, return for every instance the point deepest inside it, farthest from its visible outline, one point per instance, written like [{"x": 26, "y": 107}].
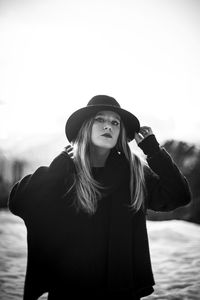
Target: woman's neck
[{"x": 99, "y": 156}]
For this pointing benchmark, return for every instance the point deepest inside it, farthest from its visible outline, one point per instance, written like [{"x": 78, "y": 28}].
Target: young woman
[{"x": 86, "y": 213}]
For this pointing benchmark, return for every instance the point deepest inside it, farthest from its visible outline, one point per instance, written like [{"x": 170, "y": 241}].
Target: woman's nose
[{"x": 107, "y": 127}]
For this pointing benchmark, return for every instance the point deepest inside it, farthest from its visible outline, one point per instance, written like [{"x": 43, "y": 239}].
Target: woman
[{"x": 86, "y": 213}]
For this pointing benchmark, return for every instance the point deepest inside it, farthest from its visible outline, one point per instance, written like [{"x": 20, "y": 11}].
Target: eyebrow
[{"x": 103, "y": 115}]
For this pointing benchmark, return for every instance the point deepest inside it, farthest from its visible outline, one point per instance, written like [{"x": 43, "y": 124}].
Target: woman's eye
[
  {"x": 99, "y": 119},
  {"x": 116, "y": 123},
  {"x": 102, "y": 120}
]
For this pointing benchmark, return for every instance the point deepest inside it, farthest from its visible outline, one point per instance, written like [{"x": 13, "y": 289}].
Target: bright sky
[{"x": 56, "y": 55}]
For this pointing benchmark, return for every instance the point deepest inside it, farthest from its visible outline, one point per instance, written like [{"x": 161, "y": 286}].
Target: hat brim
[{"x": 75, "y": 121}]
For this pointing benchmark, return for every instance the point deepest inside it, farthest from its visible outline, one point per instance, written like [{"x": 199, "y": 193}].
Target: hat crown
[{"x": 103, "y": 100}]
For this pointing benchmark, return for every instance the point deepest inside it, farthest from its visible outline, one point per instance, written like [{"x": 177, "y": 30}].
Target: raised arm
[{"x": 167, "y": 188}]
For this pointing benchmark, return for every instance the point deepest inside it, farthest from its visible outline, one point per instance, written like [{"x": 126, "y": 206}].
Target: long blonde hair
[
  {"x": 87, "y": 190},
  {"x": 136, "y": 165}
]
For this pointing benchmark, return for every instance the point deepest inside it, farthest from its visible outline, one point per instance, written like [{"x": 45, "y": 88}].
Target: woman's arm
[
  {"x": 18, "y": 201},
  {"x": 23, "y": 192},
  {"x": 167, "y": 188}
]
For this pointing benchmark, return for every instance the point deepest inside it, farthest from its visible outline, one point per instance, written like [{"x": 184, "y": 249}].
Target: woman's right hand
[
  {"x": 144, "y": 132},
  {"x": 69, "y": 150}
]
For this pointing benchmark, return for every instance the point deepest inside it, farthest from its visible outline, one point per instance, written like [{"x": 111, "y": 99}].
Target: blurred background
[{"x": 56, "y": 55}]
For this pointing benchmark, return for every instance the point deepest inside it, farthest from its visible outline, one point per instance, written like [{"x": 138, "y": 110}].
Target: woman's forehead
[{"x": 109, "y": 113}]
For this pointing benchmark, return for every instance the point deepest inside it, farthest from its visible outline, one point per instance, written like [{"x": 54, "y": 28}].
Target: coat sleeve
[
  {"x": 44, "y": 178},
  {"x": 167, "y": 188}
]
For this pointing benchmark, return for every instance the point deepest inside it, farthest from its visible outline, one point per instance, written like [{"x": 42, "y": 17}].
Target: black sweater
[{"x": 102, "y": 254}]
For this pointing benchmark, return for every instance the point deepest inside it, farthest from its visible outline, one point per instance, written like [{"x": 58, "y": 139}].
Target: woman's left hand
[
  {"x": 69, "y": 150},
  {"x": 144, "y": 132}
]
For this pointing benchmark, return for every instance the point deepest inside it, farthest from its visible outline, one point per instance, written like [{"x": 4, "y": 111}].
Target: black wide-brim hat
[{"x": 96, "y": 104}]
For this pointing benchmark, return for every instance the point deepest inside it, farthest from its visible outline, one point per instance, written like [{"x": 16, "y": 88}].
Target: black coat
[{"x": 107, "y": 253}]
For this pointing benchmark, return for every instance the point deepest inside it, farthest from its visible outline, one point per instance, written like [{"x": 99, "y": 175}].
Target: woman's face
[{"x": 105, "y": 129}]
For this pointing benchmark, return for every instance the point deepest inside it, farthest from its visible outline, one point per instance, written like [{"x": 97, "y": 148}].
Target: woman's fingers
[
  {"x": 144, "y": 132},
  {"x": 69, "y": 149}
]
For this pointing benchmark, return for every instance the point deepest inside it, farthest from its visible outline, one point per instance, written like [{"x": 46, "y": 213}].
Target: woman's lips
[{"x": 108, "y": 135}]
